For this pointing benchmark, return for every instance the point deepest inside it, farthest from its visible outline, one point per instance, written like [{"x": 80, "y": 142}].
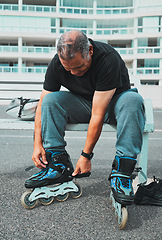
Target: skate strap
[
  {"x": 118, "y": 174},
  {"x": 82, "y": 175},
  {"x": 139, "y": 169},
  {"x": 22, "y": 104}
]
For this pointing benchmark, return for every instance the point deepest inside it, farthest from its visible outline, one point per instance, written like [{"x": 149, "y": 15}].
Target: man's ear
[{"x": 91, "y": 50}]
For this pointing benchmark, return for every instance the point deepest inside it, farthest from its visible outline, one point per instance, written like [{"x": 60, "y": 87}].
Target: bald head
[{"x": 71, "y": 43}]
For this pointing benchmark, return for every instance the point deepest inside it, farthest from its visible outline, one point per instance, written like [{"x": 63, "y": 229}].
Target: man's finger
[{"x": 77, "y": 171}]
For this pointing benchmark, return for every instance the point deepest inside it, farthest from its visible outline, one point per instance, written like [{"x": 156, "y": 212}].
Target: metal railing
[
  {"x": 42, "y": 70},
  {"x": 41, "y": 50},
  {"x": 148, "y": 70},
  {"x": 35, "y": 70},
  {"x": 9, "y": 49},
  {"x": 68, "y": 10},
  {"x": 149, "y": 50},
  {"x": 7, "y": 69}
]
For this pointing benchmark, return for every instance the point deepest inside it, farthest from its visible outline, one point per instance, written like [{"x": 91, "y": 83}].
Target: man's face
[{"x": 77, "y": 66}]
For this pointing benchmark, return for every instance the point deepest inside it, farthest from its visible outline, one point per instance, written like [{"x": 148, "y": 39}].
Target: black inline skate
[
  {"x": 121, "y": 187},
  {"x": 121, "y": 181},
  {"x": 58, "y": 173}
]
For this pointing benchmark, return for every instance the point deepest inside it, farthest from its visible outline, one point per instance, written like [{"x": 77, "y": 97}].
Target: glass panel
[
  {"x": 98, "y": 32},
  {"x": 107, "y": 11},
  {"x": 39, "y": 9},
  {"x": 84, "y": 11},
  {"x": 15, "y": 8},
  {"x": 46, "y": 9},
  {"x": 124, "y": 11},
  {"x": 62, "y": 10},
  {"x": 107, "y": 32},
  {"x": 24, "y": 8},
  {"x": 69, "y": 10},
  {"x": 76, "y": 10},
  {"x": 116, "y": 11},
  {"x": 99, "y": 11}
]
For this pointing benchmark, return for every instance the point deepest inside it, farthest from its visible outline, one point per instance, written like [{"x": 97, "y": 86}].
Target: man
[{"x": 99, "y": 91}]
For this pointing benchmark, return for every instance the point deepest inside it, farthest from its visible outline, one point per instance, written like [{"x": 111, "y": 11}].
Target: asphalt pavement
[{"x": 89, "y": 217}]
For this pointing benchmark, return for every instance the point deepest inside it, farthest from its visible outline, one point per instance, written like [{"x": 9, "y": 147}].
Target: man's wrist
[{"x": 88, "y": 156}]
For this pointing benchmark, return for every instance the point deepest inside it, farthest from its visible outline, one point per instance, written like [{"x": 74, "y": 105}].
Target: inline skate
[
  {"x": 121, "y": 187},
  {"x": 57, "y": 173}
]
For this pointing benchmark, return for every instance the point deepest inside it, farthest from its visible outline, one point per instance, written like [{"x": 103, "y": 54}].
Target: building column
[
  {"x": 20, "y": 4},
  {"x": 94, "y": 27},
  {"x": 135, "y": 67},
  {"x": 94, "y": 6},
  {"x": 160, "y": 45},
  {"x": 135, "y": 46},
  {"x": 20, "y": 52},
  {"x": 58, "y": 25},
  {"x": 57, "y": 6}
]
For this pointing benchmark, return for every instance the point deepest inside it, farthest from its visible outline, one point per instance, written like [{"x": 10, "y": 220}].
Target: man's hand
[
  {"x": 39, "y": 153},
  {"x": 83, "y": 166}
]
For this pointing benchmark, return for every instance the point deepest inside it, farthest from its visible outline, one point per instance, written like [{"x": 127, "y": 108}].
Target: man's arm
[
  {"x": 101, "y": 101},
  {"x": 39, "y": 151}
]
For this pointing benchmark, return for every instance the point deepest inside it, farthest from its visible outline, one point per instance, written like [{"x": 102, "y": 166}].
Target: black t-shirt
[{"x": 107, "y": 71}]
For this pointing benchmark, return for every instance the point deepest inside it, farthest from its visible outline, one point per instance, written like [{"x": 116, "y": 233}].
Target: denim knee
[{"x": 130, "y": 102}]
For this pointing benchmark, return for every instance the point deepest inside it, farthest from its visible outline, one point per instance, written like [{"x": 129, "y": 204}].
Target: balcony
[
  {"x": 7, "y": 69},
  {"x": 68, "y": 10},
  {"x": 33, "y": 70},
  {"x": 147, "y": 50},
  {"x": 8, "y": 49},
  {"x": 39, "y": 50},
  {"x": 148, "y": 70}
]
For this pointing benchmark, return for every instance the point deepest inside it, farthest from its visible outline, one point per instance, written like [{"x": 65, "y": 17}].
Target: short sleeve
[
  {"x": 51, "y": 82},
  {"x": 108, "y": 72}
]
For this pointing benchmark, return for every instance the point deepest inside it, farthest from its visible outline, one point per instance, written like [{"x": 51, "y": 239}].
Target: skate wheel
[
  {"x": 46, "y": 201},
  {"x": 78, "y": 193},
  {"x": 62, "y": 198},
  {"x": 25, "y": 200},
  {"x": 124, "y": 216}
]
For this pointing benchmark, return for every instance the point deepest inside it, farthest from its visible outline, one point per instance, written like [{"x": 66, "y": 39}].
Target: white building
[{"x": 29, "y": 31}]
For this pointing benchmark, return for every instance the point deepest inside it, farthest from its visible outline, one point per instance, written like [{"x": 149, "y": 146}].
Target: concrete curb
[{"x": 16, "y": 124}]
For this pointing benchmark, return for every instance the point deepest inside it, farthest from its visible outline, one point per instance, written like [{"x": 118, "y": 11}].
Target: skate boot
[
  {"x": 58, "y": 170},
  {"x": 58, "y": 173},
  {"x": 121, "y": 182}
]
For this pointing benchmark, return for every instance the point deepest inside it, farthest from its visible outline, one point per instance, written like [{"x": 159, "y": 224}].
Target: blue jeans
[{"x": 126, "y": 110}]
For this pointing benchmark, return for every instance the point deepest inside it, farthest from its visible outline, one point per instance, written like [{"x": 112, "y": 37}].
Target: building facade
[{"x": 30, "y": 29}]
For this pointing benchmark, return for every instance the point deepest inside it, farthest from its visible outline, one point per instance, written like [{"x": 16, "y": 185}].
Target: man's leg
[
  {"x": 130, "y": 118},
  {"x": 58, "y": 108}
]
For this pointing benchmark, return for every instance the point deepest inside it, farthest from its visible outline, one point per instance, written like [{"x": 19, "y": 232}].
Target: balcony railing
[
  {"x": 35, "y": 70},
  {"x": 149, "y": 50},
  {"x": 148, "y": 70},
  {"x": 33, "y": 8},
  {"x": 41, "y": 50},
  {"x": 125, "y": 51},
  {"x": 76, "y": 10},
  {"x": 8, "y": 49},
  {"x": 68, "y": 10},
  {"x": 9, "y": 7},
  {"x": 23, "y": 29},
  {"x": 101, "y": 31},
  {"x": 6, "y": 69},
  {"x": 123, "y": 10},
  {"x": 42, "y": 70},
  {"x": 52, "y": 50}
]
